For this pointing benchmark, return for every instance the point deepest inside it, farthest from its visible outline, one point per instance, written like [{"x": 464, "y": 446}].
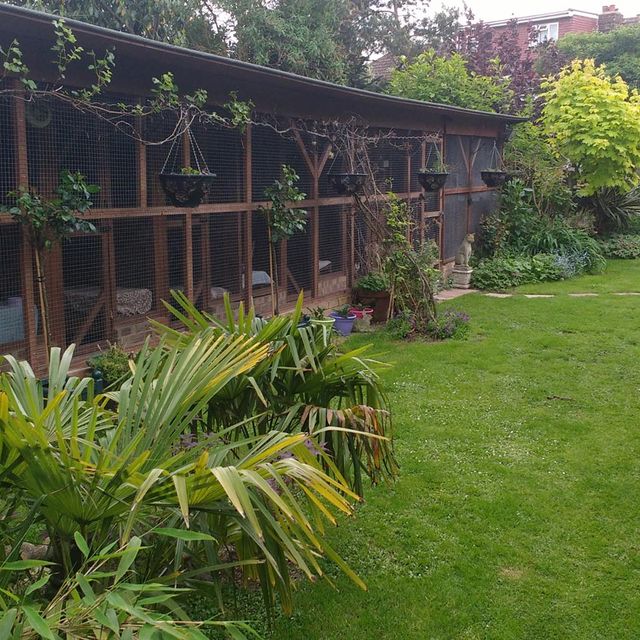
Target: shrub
[
  {"x": 400, "y": 327},
  {"x": 450, "y": 324},
  {"x": 113, "y": 364},
  {"x": 434, "y": 78},
  {"x": 593, "y": 120},
  {"x": 373, "y": 282},
  {"x": 505, "y": 272},
  {"x": 621, "y": 246},
  {"x": 615, "y": 211}
]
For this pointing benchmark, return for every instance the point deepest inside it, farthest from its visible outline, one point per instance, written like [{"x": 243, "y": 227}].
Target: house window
[{"x": 547, "y": 32}]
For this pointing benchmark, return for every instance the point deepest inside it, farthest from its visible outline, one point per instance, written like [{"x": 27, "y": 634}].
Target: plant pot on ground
[
  {"x": 188, "y": 187},
  {"x": 344, "y": 320},
  {"x": 373, "y": 290},
  {"x": 363, "y": 316}
]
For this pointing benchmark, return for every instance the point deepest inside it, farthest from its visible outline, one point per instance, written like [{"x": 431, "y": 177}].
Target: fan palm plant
[
  {"x": 108, "y": 473},
  {"x": 306, "y": 384}
]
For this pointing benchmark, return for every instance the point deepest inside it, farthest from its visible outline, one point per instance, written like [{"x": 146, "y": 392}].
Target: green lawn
[{"x": 517, "y": 512}]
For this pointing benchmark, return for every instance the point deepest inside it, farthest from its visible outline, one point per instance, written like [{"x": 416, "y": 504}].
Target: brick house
[{"x": 548, "y": 26}]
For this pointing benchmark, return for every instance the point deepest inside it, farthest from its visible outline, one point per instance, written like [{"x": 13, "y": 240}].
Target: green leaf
[
  {"x": 20, "y": 565},
  {"x": 184, "y": 534},
  {"x": 38, "y": 623},
  {"x": 82, "y": 544},
  {"x": 128, "y": 557}
]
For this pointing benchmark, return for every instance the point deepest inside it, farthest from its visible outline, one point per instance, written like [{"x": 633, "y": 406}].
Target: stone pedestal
[{"x": 461, "y": 277}]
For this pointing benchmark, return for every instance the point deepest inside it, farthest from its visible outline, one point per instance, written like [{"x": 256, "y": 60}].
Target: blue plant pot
[{"x": 343, "y": 325}]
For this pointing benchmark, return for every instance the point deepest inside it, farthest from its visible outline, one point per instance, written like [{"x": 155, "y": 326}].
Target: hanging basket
[
  {"x": 186, "y": 190},
  {"x": 432, "y": 180},
  {"x": 493, "y": 177},
  {"x": 348, "y": 183}
]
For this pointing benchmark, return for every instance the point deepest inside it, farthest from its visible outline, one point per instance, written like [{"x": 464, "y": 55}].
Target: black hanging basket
[
  {"x": 432, "y": 180},
  {"x": 348, "y": 183},
  {"x": 494, "y": 177},
  {"x": 186, "y": 189}
]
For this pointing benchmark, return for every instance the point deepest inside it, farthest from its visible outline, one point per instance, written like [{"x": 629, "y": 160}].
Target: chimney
[{"x": 610, "y": 18}]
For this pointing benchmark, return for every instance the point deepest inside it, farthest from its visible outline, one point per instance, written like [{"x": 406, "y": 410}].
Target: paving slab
[
  {"x": 499, "y": 295},
  {"x": 451, "y": 294},
  {"x": 583, "y": 295},
  {"x": 538, "y": 295},
  {"x": 627, "y": 293}
]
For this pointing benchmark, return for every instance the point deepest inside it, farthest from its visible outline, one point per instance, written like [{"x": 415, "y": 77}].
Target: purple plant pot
[{"x": 343, "y": 325}]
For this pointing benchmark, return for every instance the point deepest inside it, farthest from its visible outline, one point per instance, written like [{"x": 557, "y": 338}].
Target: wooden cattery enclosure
[{"x": 104, "y": 286}]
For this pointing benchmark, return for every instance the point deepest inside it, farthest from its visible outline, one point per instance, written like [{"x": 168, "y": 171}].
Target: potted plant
[
  {"x": 348, "y": 183},
  {"x": 435, "y": 177},
  {"x": 344, "y": 320},
  {"x": 373, "y": 290},
  {"x": 188, "y": 186}
]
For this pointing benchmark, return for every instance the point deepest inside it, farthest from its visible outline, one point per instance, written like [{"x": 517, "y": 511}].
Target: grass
[{"x": 516, "y": 515}]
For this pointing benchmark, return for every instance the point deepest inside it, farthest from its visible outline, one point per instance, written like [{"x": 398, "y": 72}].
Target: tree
[
  {"x": 619, "y": 49},
  {"x": 299, "y": 36},
  {"x": 593, "y": 121},
  {"x": 434, "y": 78},
  {"x": 190, "y": 23}
]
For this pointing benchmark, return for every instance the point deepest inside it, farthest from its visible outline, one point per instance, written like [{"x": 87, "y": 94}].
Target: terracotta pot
[{"x": 379, "y": 300}]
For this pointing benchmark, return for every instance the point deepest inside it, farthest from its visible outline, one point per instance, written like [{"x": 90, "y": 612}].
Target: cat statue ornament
[{"x": 461, "y": 269}]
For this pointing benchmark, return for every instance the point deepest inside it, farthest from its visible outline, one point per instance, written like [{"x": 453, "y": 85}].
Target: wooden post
[
  {"x": 22, "y": 174},
  {"x": 247, "y": 267}
]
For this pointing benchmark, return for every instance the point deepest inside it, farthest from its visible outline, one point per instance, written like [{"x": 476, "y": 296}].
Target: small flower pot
[
  {"x": 431, "y": 180},
  {"x": 493, "y": 177},
  {"x": 348, "y": 183},
  {"x": 361, "y": 313},
  {"x": 343, "y": 325},
  {"x": 186, "y": 189}
]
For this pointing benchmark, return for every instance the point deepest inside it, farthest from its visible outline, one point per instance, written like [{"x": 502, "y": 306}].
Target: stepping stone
[
  {"x": 450, "y": 294},
  {"x": 583, "y": 295},
  {"x": 628, "y": 293},
  {"x": 538, "y": 295},
  {"x": 498, "y": 295}
]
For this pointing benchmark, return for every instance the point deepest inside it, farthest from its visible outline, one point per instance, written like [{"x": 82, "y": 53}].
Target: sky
[{"x": 492, "y": 10}]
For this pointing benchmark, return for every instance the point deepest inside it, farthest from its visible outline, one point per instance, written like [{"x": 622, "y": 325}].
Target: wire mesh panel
[
  {"x": 299, "y": 267},
  {"x": 86, "y": 304},
  {"x": 138, "y": 283},
  {"x": 158, "y": 128},
  {"x": 270, "y": 151},
  {"x": 455, "y": 157},
  {"x": 388, "y": 161},
  {"x": 332, "y": 239},
  {"x": 62, "y": 138},
  {"x": 8, "y": 180},
  {"x": 482, "y": 204},
  {"x": 261, "y": 272},
  {"x": 455, "y": 224},
  {"x": 12, "y": 325},
  {"x": 484, "y": 157},
  {"x": 417, "y": 163},
  {"x": 224, "y": 257},
  {"x": 223, "y": 150}
]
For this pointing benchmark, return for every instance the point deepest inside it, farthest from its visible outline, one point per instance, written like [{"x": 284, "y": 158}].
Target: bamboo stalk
[{"x": 44, "y": 309}]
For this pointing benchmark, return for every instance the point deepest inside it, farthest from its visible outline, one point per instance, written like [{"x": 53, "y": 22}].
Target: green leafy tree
[
  {"x": 191, "y": 23},
  {"x": 448, "y": 80},
  {"x": 619, "y": 49},
  {"x": 48, "y": 222},
  {"x": 593, "y": 121},
  {"x": 283, "y": 221}
]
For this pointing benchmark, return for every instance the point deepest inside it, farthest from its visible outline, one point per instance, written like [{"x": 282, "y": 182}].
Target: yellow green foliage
[{"x": 593, "y": 121}]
